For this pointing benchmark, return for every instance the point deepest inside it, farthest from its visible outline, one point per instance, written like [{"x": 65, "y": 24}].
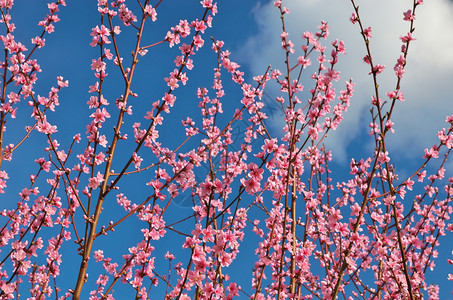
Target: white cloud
[{"x": 426, "y": 85}]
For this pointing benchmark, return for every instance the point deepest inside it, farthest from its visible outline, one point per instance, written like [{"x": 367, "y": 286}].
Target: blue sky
[{"x": 251, "y": 31}]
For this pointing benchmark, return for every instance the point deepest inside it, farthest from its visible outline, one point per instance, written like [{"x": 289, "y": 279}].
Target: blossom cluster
[{"x": 274, "y": 196}]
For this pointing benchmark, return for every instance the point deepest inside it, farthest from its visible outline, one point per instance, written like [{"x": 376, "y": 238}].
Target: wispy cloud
[{"x": 427, "y": 84}]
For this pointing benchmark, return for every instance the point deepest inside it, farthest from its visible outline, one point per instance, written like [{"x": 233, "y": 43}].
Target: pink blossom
[
  {"x": 377, "y": 69},
  {"x": 98, "y": 65},
  {"x": 383, "y": 157},
  {"x": 251, "y": 185},
  {"x": 45, "y": 127},
  {"x": 408, "y": 16},
  {"x": 367, "y": 32},
  {"x": 151, "y": 12},
  {"x": 94, "y": 182},
  {"x": 100, "y": 115}
]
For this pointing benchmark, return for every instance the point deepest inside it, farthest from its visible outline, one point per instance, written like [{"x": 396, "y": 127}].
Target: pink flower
[
  {"x": 432, "y": 152},
  {"x": 61, "y": 82},
  {"x": 353, "y": 18},
  {"x": 206, "y": 3},
  {"x": 151, "y": 12},
  {"x": 94, "y": 182},
  {"x": 94, "y": 88},
  {"x": 252, "y": 186},
  {"x": 39, "y": 41},
  {"x": 198, "y": 42},
  {"x": 408, "y": 16},
  {"x": 304, "y": 62},
  {"x": 389, "y": 126},
  {"x": 377, "y": 69},
  {"x": 383, "y": 157},
  {"x": 45, "y": 127},
  {"x": 199, "y": 25},
  {"x": 270, "y": 145},
  {"x": 367, "y": 32},
  {"x": 98, "y": 65},
  {"x": 169, "y": 256},
  {"x": 100, "y": 115},
  {"x": 407, "y": 38},
  {"x": 98, "y": 255}
]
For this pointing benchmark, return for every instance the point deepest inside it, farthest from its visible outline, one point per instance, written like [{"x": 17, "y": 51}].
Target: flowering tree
[{"x": 371, "y": 236}]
